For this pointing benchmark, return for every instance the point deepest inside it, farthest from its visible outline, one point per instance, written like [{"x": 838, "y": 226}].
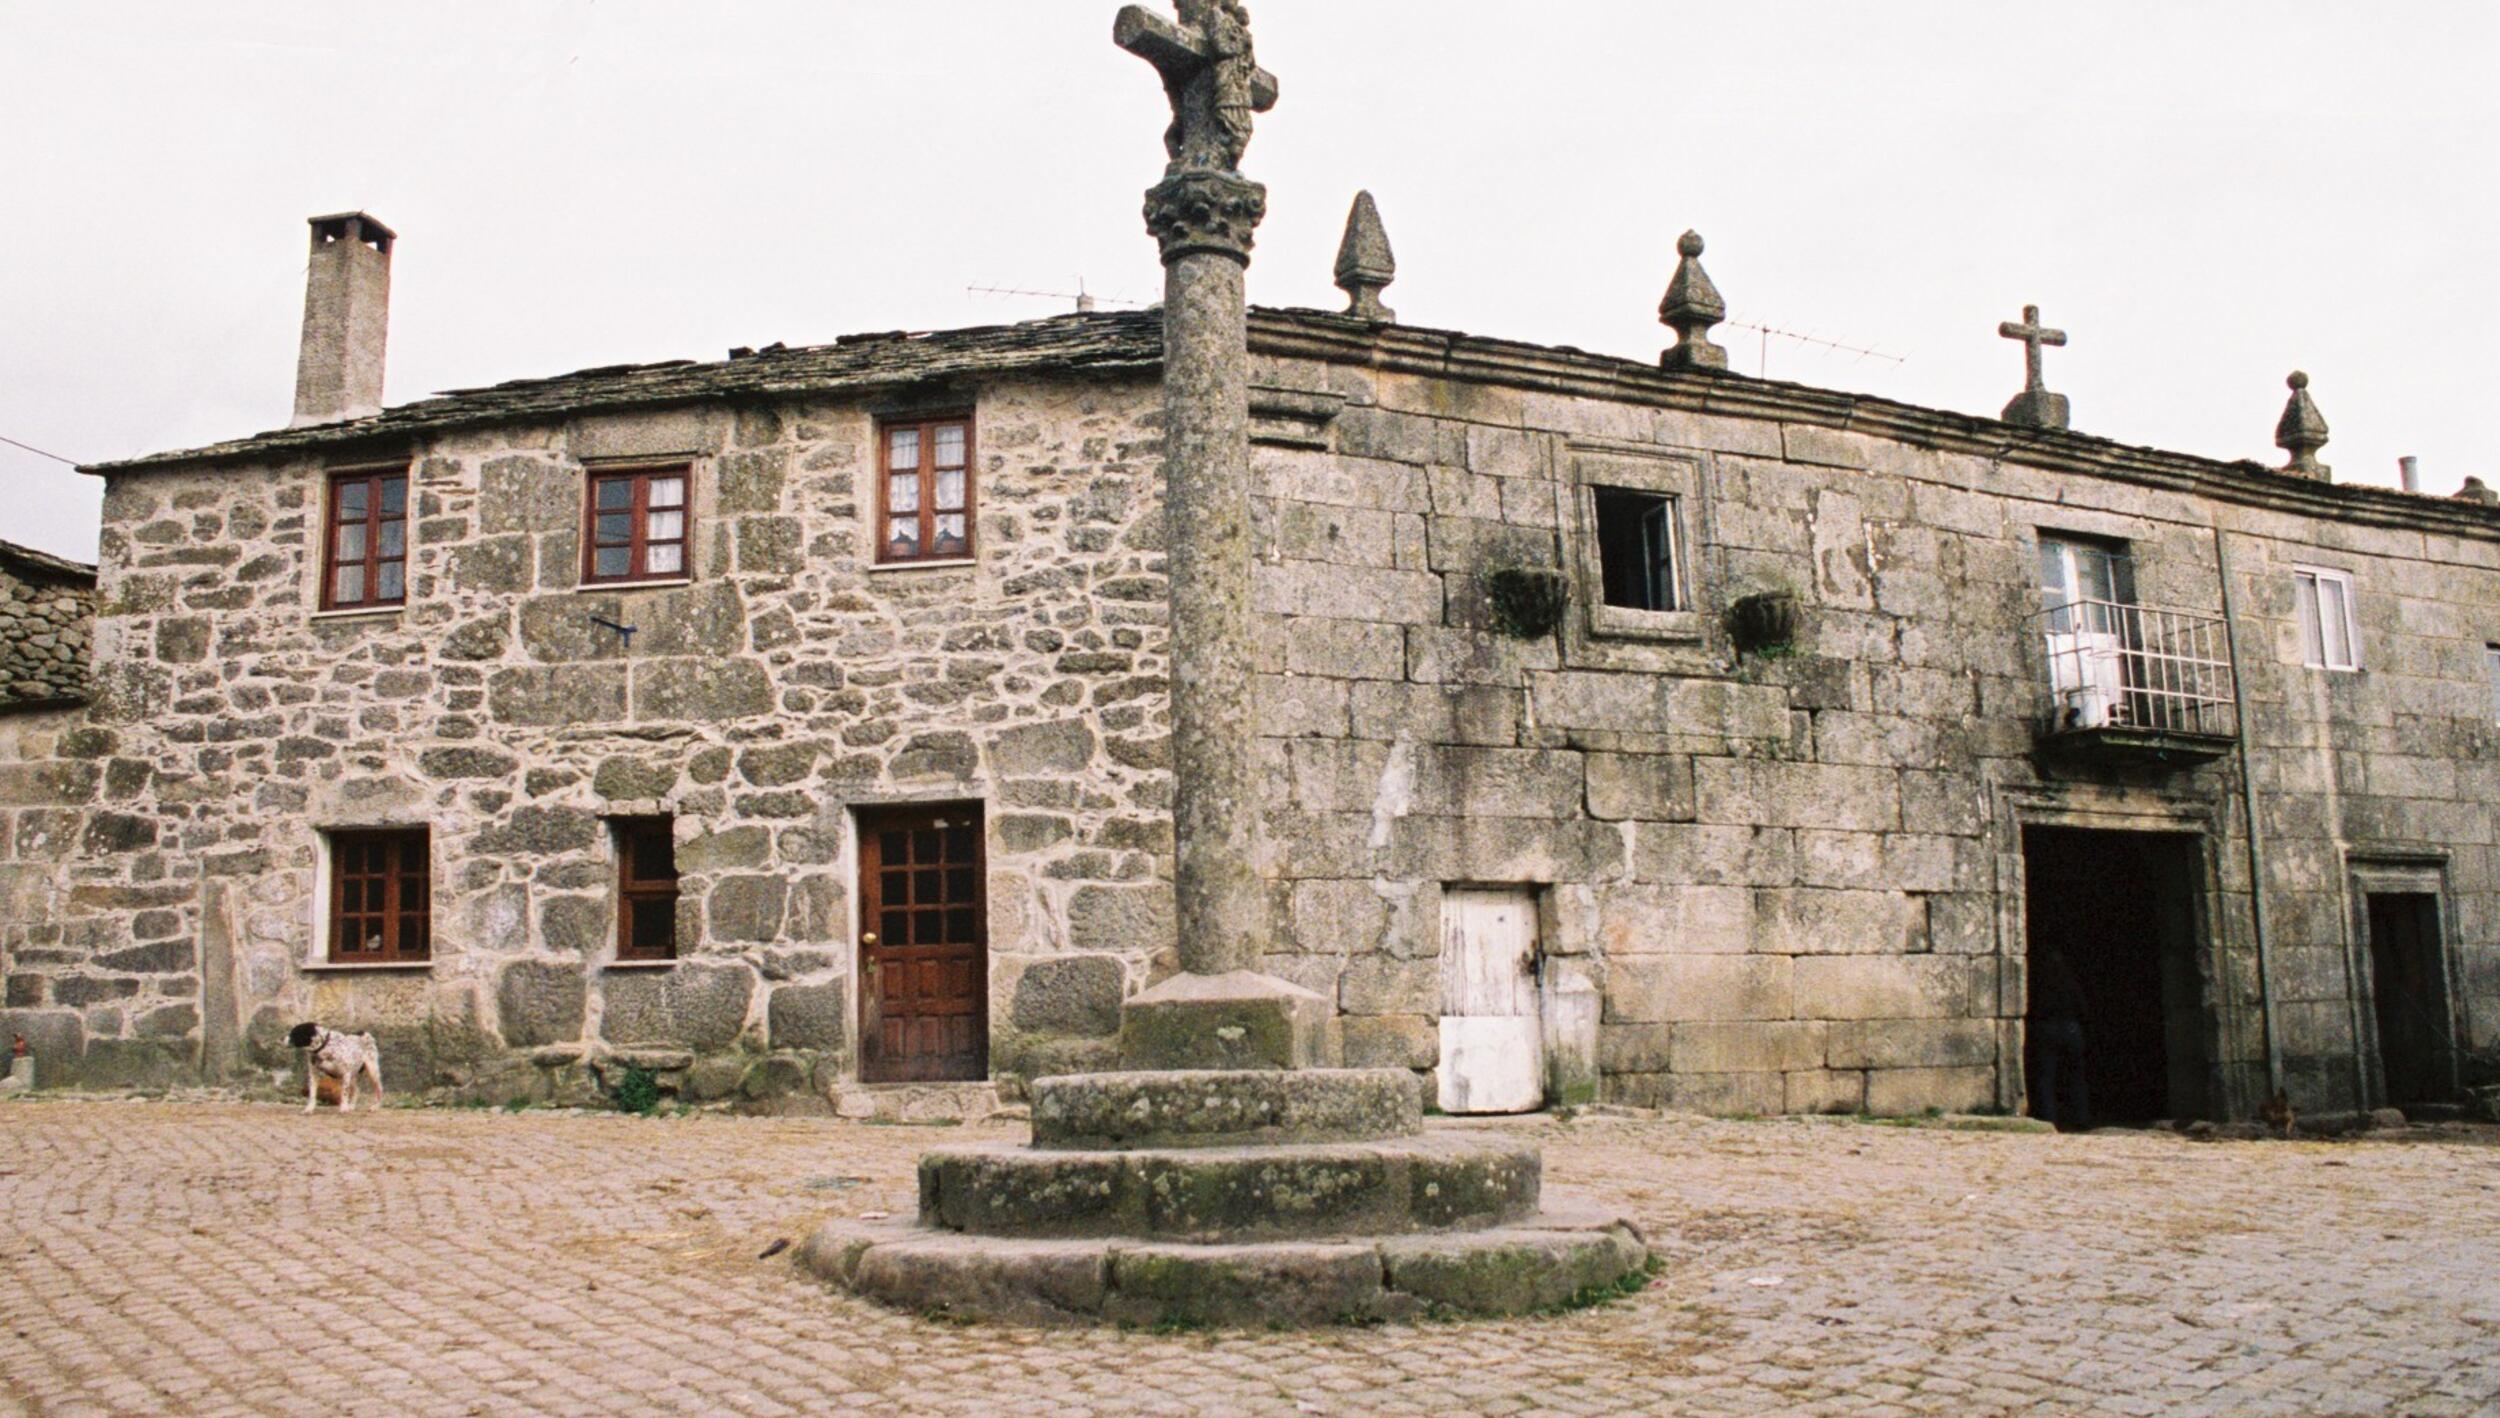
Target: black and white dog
[{"x": 343, "y": 1057}]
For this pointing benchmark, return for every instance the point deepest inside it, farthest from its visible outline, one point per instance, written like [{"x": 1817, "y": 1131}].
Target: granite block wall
[{"x": 1794, "y": 878}]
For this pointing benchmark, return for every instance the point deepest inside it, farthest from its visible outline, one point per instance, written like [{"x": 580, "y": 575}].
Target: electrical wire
[{"x": 29, "y": 447}]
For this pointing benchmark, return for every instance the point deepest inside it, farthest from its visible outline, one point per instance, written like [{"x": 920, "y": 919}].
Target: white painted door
[{"x": 1492, "y": 1058}]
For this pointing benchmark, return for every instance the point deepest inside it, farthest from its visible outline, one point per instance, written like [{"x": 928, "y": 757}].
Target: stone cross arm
[
  {"x": 1177, "y": 51},
  {"x": 2033, "y": 335}
]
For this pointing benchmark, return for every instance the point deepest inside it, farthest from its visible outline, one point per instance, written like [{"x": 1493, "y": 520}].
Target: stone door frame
[
  {"x": 2368, "y": 873},
  {"x": 2204, "y": 816}
]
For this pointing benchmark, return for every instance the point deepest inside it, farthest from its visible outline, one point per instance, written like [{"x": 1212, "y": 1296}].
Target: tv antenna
[
  {"x": 1763, "y": 335},
  {"x": 1086, "y": 301}
]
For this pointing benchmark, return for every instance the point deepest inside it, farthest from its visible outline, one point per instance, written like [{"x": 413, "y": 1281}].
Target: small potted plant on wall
[
  {"x": 1526, "y": 602},
  {"x": 1764, "y": 622}
]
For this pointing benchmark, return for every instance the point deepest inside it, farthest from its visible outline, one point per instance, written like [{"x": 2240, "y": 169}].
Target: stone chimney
[{"x": 347, "y": 305}]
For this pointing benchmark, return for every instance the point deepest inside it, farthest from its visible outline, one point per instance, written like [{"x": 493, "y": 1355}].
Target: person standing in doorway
[{"x": 2055, "y": 1035}]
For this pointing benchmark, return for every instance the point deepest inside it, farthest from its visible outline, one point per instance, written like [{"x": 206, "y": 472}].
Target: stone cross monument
[
  {"x": 1227, "y": 1176},
  {"x": 1218, "y": 1013},
  {"x": 2035, "y": 406}
]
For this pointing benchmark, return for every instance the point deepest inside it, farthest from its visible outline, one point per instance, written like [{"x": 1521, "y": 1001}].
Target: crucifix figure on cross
[
  {"x": 2035, "y": 406},
  {"x": 1210, "y": 75}
]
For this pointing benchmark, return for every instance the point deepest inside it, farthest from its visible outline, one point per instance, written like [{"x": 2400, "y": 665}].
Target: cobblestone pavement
[{"x": 230, "y": 1258}]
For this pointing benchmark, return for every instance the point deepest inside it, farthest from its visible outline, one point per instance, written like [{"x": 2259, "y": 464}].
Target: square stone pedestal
[{"x": 1237, "y": 1020}]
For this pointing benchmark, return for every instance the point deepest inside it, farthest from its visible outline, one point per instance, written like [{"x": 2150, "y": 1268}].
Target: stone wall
[
  {"x": 1795, "y": 879},
  {"x": 46, "y": 604},
  {"x": 759, "y": 704}
]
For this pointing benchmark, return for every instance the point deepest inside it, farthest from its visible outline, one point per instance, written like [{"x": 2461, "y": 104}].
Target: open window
[
  {"x": 1639, "y": 551},
  {"x": 2330, "y": 634},
  {"x": 2087, "y": 595}
]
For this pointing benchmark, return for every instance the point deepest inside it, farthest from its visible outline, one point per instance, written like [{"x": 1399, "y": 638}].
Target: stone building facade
[{"x": 1788, "y": 834}]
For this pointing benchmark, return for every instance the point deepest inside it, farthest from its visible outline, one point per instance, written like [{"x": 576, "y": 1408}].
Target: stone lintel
[{"x": 1236, "y": 1020}]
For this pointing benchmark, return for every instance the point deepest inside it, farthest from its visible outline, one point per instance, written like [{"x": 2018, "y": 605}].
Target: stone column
[
  {"x": 1204, "y": 221},
  {"x": 1219, "y": 1012}
]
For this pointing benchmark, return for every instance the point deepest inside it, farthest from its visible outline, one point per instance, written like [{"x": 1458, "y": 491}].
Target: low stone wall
[{"x": 47, "y": 605}]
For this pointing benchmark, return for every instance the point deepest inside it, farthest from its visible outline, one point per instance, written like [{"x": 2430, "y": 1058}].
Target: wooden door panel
[
  {"x": 925, "y": 975},
  {"x": 1492, "y": 1052}
]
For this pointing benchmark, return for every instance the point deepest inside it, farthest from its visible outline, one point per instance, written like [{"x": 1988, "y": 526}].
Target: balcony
[{"x": 2137, "y": 685}]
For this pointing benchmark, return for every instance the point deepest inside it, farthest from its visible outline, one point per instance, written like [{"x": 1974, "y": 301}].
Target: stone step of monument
[
  {"x": 1225, "y": 1107},
  {"x": 1553, "y": 1259},
  {"x": 1222, "y": 1194},
  {"x": 917, "y": 1102}
]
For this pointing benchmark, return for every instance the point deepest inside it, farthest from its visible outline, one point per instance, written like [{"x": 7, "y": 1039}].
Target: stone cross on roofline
[{"x": 2035, "y": 406}]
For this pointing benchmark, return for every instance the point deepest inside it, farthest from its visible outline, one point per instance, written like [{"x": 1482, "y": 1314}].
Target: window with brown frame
[
  {"x": 924, "y": 489},
  {"x": 365, "y": 541},
  {"x": 638, "y": 526},
  {"x": 381, "y": 897},
  {"x": 646, "y": 888}
]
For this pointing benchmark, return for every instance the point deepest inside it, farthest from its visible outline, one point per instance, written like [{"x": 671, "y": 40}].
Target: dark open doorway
[
  {"x": 2409, "y": 998},
  {"x": 2112, "y": 940}
]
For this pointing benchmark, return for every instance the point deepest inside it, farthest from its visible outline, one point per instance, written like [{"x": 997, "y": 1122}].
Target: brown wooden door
[{"x": 924, "y": 946}]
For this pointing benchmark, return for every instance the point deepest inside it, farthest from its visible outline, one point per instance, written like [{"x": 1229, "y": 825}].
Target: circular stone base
[
  {"x": 1204, "y": 1195},
  {"x": 1554, "y": 1259}
]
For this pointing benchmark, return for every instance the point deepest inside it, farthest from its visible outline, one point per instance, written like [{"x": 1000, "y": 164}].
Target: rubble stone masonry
[{"x": 1794, "y": 879}]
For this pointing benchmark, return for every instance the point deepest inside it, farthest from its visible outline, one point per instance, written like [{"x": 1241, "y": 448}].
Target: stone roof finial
[
  {"x": 2035, "y": 407},
  {"x": 1365, "y": 266},
  {"x": 2301, "y": 431},
  {"x": 1692, "y": 306},
  {"x": 2475, "y": 490}
]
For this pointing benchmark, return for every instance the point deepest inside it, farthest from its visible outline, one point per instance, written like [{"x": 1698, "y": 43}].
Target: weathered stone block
[
  {"x": 938, "y": 755},
  {"x": 1912, "y": 1043},
  {"x": 1230, "y": 1021},
  {"x": 624, "y": 779},
  {"x": 707, "y": 690},
  {"x": 492, "y": 564},
  {"x": 1701, "y": 987},
  {"x": 540, "y": 1002},
  {"x": 693, "y": 1006},
  {"x": 809, "y": 1016},
  {"x": 1650, "y": 787},
  {"x": 1883, "y": 987},
  {"x": 1129, "y": 920},
  {"x": 1070, "y": 995},
  {"x": 747, "y": 907},
  {"x": 1407, "y": 1041},
  {"x": 1811, "y": 921},
  {"x": 535, "y": 829},
  {"x": 1063, "y": 747},
  {"x": 548, "y": 695},
  {"x": 1701, "y": 1046},
  {"x": 1894, "y": 1091},
  {"x": 466, "y": 763},
  {"x": 527, "y": 495},
  {"x": 1376, "y": 984}
]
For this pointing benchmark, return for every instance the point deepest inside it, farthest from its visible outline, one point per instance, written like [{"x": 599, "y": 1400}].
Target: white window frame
[{"x": 2309, "y": 612}]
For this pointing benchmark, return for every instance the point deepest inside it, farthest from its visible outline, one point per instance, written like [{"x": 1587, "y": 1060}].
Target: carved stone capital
[{"x": 1205, "y": 211}]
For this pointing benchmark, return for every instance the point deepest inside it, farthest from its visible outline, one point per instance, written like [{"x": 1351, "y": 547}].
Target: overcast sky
[{"x": 2205, "y": 196}]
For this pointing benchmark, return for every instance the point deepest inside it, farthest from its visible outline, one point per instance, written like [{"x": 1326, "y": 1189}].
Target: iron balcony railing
[{"x": 2113, "y": 665}]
